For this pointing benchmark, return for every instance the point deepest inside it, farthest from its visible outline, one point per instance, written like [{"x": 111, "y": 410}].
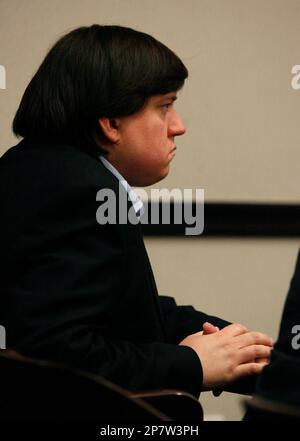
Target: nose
[{"x": 176, "y": 126}]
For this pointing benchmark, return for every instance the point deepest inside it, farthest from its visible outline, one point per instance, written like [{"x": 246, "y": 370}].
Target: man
[{"x": 100, "y": 110}]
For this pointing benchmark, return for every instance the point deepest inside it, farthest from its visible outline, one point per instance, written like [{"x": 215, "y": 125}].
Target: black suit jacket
[{"x": 82, "y": 293}]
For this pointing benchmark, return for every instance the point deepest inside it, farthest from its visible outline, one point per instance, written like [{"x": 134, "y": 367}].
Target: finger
[
  {"x": 262, "y": 360},
  {"x": 234, "y": 330},
  {"x": 209, "y": 328},
  {"x": 249, "y": 369},
  {"x": 251, "y": 353},
  {"x": 253, "y": 338}
]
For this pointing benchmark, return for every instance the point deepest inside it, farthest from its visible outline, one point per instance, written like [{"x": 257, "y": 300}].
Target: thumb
[{"x": 209, "y": 328}]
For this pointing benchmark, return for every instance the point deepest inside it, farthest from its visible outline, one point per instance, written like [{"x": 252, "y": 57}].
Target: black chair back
[{"x": 41, "y": 390}]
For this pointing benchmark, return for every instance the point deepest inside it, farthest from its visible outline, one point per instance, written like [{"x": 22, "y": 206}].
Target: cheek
[
  {"x": 152, "y": 142},
  {"x": 148, "y": 143},
  {"x": 157, "y": 140}
]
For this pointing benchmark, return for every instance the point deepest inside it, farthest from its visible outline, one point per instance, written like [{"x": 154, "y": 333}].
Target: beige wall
[
  {"x": 239, "y": 107},
  {"x": 242, "y": 143}
]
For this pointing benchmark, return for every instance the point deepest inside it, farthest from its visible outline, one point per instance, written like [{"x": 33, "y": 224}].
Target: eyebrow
[{"x": 169, "y": 97}]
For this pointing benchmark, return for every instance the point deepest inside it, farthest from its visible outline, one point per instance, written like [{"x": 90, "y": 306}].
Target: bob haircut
[{"x": 94, "y": 72}]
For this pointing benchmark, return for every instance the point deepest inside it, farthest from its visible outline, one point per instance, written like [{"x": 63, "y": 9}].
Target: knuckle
[
  {"x": 240, "y": 328},
  {"x": 256, "y": 337},
  {"x": 258, "y": 352},
  {"x": 230, "y": 373}
]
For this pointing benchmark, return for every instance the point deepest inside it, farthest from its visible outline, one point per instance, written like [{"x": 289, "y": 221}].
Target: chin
[
  {"x": 160, "y": 177},
  {"x": 146, "y": 181}
]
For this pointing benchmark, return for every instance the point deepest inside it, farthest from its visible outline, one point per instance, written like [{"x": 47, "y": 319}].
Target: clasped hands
[{"x": 229, "y": 354}]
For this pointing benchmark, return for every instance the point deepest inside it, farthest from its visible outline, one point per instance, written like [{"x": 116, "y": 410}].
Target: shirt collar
[{"x": 133, "y": 196}]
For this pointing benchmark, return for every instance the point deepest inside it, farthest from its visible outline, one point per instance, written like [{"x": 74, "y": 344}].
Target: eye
[{"x": 166, "y": 106}]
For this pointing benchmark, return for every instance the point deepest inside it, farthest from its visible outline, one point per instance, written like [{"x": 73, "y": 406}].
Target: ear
[{"x": 110, "y": 129}]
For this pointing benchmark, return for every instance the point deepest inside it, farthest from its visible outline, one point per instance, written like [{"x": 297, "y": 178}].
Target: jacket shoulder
[{"x": 45, "y": 164}]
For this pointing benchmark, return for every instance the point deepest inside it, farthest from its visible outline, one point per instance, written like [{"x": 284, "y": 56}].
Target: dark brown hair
[{"x": 93, "y": 72}]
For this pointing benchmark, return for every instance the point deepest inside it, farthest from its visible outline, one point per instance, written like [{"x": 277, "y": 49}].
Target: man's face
[{"x": 146, "y": 141}]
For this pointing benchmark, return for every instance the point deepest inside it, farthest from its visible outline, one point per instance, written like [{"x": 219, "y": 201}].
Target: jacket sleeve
[{"x": 182, "y": 321}]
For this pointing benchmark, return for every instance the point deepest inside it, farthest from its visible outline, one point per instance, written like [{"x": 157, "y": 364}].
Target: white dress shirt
[{"x": 134, "y": 197}]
